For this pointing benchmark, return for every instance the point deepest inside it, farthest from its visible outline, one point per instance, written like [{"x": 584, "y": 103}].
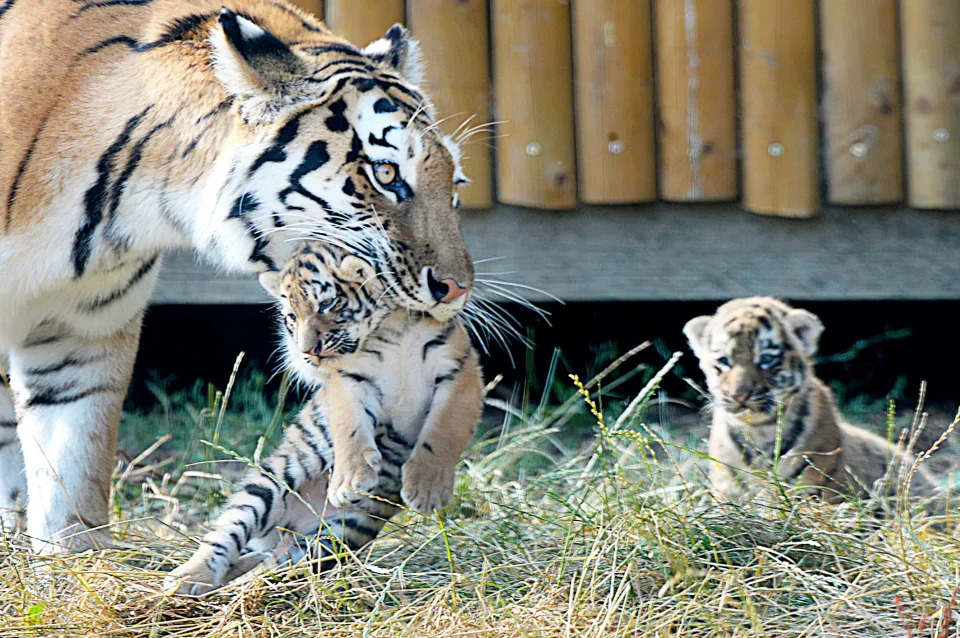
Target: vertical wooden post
[
  {"x": 313, "y": 6},
  {"x": 363, "y": 21},
  {"x": 454, "y": 38},
  {"x": 931, "y": 74},
  {"x": 697, "y": 98},
  {"x": 616, "y": 151},
  {"x": 778, "y": 79},
  {"x": 534, "y": 98},
  {"x": 861, "y": 101}
]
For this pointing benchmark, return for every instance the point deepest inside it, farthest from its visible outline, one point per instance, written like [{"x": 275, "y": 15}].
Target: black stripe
[
  {"x": 50, "y": 396},
  {"x": 6, "y": 6},
  {"x": 428, "y": 447},
  {"x": 360, "y": 528},
  {"x": 20, "y": 171},
  {"x": 242, "y": 523},
  {"x": 96, "y": 196},
  {"x": 103, "y": 44},
  {"x": 276, "y": 152},
  {"x": 8, "y": 424},
  {"x": 136, "y": 154},
  {"x": 112, "y": 3},
  {"x": 264, "y": 495},
  {"x": 223, "y": 106},
  {"x": 333, "y": 48},
  {"x": 796, "y": 429},
  {"x": 359, "y": 378},
  {"x": 65, "y": 363},
  {"x": 219, "y": 549},
  {"x": 100, "y": 302},
  {"x": 178, "y": 30},
  {"x": 236, "y": 541}
]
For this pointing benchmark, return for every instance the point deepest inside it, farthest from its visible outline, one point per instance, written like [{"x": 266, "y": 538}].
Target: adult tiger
[{"x": 131, "y": 127}]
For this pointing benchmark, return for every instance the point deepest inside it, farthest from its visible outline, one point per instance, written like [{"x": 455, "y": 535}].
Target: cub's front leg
[
  {"x": 428, "y": 475},
  {"x": 356, "y": 459}
]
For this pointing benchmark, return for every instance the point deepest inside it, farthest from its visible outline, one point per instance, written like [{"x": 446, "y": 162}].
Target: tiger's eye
[{"x": 385, "y": 172}]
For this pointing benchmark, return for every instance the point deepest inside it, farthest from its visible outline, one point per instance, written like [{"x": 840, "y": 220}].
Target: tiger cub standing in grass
[
  {"x": 398, "y": 397},
  {"x": 769, "y": 406}
]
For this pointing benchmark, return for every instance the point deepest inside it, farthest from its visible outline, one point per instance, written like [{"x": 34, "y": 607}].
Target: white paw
[
  {"x": 354, "y": 477},
  {"x": 425, "y": 487},
  {"x": 191, "y": 579}
]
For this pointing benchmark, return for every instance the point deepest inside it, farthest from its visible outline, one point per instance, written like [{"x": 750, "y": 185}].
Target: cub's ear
[
  {"x": 270, "y": 280},
  {"x": 400, "y": 52},
  {"x": 259, "y": 70},
  {"x": 807, "y": 327},
  {"x": 694, "y": 332},
  {"x": 354, "y": 269}
]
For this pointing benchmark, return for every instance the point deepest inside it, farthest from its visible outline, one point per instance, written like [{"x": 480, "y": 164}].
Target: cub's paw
[
  {"x": 354, "y": 475},
  {"x": 193, "y": 578},
  {"x": 426, "y": 486}
]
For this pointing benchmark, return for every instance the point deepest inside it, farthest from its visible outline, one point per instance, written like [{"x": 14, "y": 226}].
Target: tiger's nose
[
  {"x": 445, "y": 290},
  {"x": 742, "y": 398}
]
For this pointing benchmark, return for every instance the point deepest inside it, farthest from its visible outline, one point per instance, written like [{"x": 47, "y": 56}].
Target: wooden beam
[
  {"x": 931, "y": 76},
  {"x": 861, "y": 101},
  {"x": 695, "y": 90},
  {"x": 778, "y": 118},
  {"x": 533, "y": 85},
  {"x": 454, "y": 39},
  {"x": 616, "y": 153},
  {"x": 363, "y": 21},
  {"x": 671, "y": 253}
]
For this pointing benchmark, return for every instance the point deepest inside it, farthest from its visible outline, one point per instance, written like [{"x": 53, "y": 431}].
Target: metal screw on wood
[
  {"x": 859, "y": 150},
  {"x": 941, "y": 135},
  {"x": 615, "y": 147},
  {"x": 775, "y": 149},
  {"x": 533, "y": 149}
]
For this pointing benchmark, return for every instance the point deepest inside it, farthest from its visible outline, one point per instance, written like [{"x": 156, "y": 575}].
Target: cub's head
[
  {"x": 338, "y": 143},
  {"x": 755, "y": 352},
  {"x": 329, "y": 302}
]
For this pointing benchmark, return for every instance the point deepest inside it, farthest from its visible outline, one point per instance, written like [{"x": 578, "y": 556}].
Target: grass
[{"x": 551, "y": 534}]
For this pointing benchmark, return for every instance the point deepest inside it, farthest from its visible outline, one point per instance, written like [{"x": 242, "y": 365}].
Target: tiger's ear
[
  {"x": 400, "y": 52},
  {"x": 270, "y": 280},
  {"x": 354, "y": 269},
  {"x": 259, "y": 70},
  {"x": 807, "y": 327},
  {"x": 694, "y": 332}
]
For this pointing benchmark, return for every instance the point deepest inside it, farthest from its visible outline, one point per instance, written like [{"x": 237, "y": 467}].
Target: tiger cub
[
  {"x": 398, "y": 396},
  {"x": 769, "y": 406}
]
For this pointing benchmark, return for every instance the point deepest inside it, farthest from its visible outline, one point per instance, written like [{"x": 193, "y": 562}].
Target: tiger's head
[
  {"x": 338, "y": 144},
  {"x": 755, "y": 353},
  {"x": 329, "y": 302}
]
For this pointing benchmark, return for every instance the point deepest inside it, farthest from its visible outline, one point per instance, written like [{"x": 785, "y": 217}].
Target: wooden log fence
[{"x": 780, "y": 103}]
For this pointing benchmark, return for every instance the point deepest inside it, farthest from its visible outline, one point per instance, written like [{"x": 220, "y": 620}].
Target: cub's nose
[
  {"x": 742, "y": 398},
  {"x": 445, "y": 290}
]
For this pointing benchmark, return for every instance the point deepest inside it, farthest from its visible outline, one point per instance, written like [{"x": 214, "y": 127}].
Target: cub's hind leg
[
  {"x": 255, "y": 511},
  {"x": 68, "y": 387},
  {"x": 13, "y": 482}
]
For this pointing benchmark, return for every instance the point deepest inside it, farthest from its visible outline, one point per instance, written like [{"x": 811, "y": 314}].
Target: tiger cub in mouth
[
  {"x": 768, "y": 405},
  {"x": 398, "y": 396}
]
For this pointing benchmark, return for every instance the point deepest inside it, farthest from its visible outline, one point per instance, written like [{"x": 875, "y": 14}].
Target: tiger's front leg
[
  {"x": 68, "y": 391},
  {"x": 13, "y": 483}
]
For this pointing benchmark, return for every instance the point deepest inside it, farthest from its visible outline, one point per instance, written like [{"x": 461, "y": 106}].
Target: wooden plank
[
  {"x": 313, "y": 6},
  {"x": 455, "y": 42},
  {"x": 534, "y": 96},
  {"x": 363, "y": 21},
  {"x": 778, "y": 83},
  {"x": 861, "y": 101},
  {"x": 697, "y": 100},
  {"x": 931, "y": 69},
  {"x": 616, "y": 152},
  {"x": 673, "y": 253}
]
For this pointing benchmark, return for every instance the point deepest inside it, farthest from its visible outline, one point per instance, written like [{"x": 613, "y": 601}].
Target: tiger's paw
[
  {"x": 426, "y": 486},
  {"x": 193, "y": 578},
  {"x": 354, "y": 475}
]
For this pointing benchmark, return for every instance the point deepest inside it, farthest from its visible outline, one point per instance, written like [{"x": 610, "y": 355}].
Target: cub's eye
[
  {"x": 291, "y": 320},
  {"x": 723, "y": 363},
  {"x": 386, "y": 173},
  {"x": 326, "y": 305},
  {"x": 767, "y": 361}
]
